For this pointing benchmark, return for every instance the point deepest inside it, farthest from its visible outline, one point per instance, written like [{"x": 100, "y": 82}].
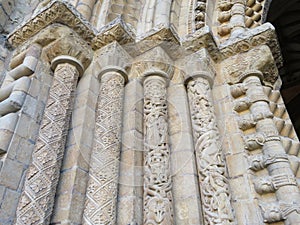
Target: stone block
[
  {"x": 247, "y": 211},
  {"x": 244, "y": 191},
  {"x": 8, "y": 6},
  {"x": 182, "y": 141},
  {"x": 24, "y": 151},
  {"x": 183, "y": 162},
  {"x": 9, "y": 179},
  {"x": 188, "y": 211},
  {"x": 8, "y": 207},
  {"x": 237, "y": 165},
  {"x": 5, "y": 140},
  {"x": 3, "y": 17},
  {"x": 22, "y": 128},
  {"x": 29, "y": 107},
  {"x": 35, "y": 88},
  {"x": 190, "y": 187}
]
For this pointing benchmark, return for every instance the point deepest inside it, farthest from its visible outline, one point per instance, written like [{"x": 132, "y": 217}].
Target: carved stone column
[
  {"x": 237, "y": 20},
  {"x": 157, "y": 178},
  {"x": 282, "y": 179},
  {"x": 102, "y": 191},
  {"x": 213, "y": 184},
  {"x": 37, "y": 199}
]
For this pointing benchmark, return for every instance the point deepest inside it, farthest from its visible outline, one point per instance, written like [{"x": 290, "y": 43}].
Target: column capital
[
  {"x": 200, "y": 74},
  {"x": 116, "y": 69},
  {"x": 251, "y": 73},
  {"x": 258, "y": 61},
  {"x": 198, "y": 64},
  {"x": 67, "y": 59},
  {"x": 114, "y": 58},
  {"x": 69, "y": 47}
]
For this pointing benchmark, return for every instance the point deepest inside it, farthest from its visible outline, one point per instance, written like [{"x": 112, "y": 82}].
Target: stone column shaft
[
  {"x": 186, "y": 196},
  {"x": 237, "y": 21},
  {"x": 214, "y": 190},
  {"x": 36, "y": 202},
  {"x": 157, "y": 175},
  {"x": 130, "y": 196},
  {"x": 101, "y": 196},
  {"x": 272, "y": 147}
]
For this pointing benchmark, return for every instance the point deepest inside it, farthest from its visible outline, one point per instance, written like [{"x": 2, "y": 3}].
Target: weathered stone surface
[{"x": 177, "y": 115}]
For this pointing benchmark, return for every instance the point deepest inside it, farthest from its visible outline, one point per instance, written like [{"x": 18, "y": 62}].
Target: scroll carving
[
  {"x": 101, "y": 196},
  {"x": 157, "y": 178},
  {"x": 213, "y": 183},
  {"x": 37, "y": 199}
]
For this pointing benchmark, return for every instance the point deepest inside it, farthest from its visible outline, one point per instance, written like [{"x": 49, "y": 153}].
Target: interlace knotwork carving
[
  {"x": 36, "y": 201},
  {"x": 213, "y": 183},
  {"x": 157, "y": 177},
  {"x": 101, "y": 195}
]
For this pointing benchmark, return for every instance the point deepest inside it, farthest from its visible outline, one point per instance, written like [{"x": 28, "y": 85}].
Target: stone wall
[{"x": 167, "y": 112}]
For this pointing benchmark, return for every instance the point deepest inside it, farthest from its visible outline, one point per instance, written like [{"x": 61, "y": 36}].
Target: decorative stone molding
[
  {"x": 117, "y": 30},
  {"x": 154, "y": 61},
  {"x": 57, "y": 11},
  {"x": 209, "y": 157},
  {"x": 254, "y": 11},
  {"x": 37, "y": 198},
  {"x": 193, "y": 65},
  {"x": 158, "y": 199},
  {"x": 69, "y": 45},
  {"x": 248, "y": 61},
  {"x": 62, "y": 12},
  {"x": 251, "y": 39},
  {"x": 237, "y": 20},
  {"x": 199, "y": 14},
  {"x": 113, "y": 57}
]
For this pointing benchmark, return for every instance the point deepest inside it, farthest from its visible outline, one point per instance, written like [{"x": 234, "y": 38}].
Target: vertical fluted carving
[
  {"x": 36, "y": 202},
  {"x": 101, "y": 196},
  {"x": 213, "y": 184},
  {"x": 157, "y": 178}
]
